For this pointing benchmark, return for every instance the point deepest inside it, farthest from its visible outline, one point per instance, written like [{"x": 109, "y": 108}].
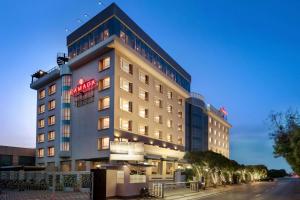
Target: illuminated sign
[
  {"x": 83, "y": 87},
  {"x": 126, "y": 151}
]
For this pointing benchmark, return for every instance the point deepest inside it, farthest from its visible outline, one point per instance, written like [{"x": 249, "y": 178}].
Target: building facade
[
  {"x": 117, "y": 90},
  {"x": 207, "y": 128},
  {"x": 16, "y": 156}
]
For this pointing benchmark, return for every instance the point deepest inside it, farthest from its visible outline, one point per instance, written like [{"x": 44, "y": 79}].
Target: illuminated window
[
  {"x": 169, "y": 168},
  {"x": 169, "y": 123},
  {"x": 143, "y": 112},
  {"x": 159, "y": 88},
  {"x": 66, "y": 96},
  {"x": 209, "y": 139},
  {"x": 126, "y": 66},
  {"x": 51, "y": 104},
  {"x": 41, "y": 108},
  {"x": 65, "y": 146},
  {"x": 180, "y": 114},
  {"x": 41, "y": 123},
  {"x": 143, "y": 129},
  {"x": 215, "y": 122},
  {"x": 125, "y": 105},
  {"x": 103, "y": 123},
  {"x": 66, "y": 130},
  {"x": 158, "y": 119},
  {"x": 104, "y": 83},
  {"x": 143, "y": 94},
  {"x": 126, "y": 85},
  {"x": 209, "y": 119},
  {"x": 51, "y": 135},
  {"x": 143, "y": 77},
  {"x": 51, "y": 151},
  {"x": 41, "y": 138},
  {"x": 104, "y": 64},
  {"x": 209, "y": 130},
  {"x": 215, "y": 141},
  {"x": 158, "y": 134},
  {"x": 52, "y": 89},
  {"x": 40, "y": 152},
  {"x": 105, "y": 34},
  {"x": 66, "y": 79},
  {"x": 51, "y": 120},
  {"x": 103, "y": 103},
  {"x": 180, "y": 141},
  {"x": 125, "y": 124},
  {"x": 215, "y": 132},
  {"x": 156, "y": 167},
  {"x": 169, "y": 109},
  {"x": 103, "y": 143},
  {"x": 170, "y": 95},
  {"x": 180, "y": 101},
  {"x": 169, "y": 138},
  {"x": 42, "y": 94},
  {"x": 179, "y": 127},
  {"x": 158, "y": 102},
  {"x": 66, "y": 114}
]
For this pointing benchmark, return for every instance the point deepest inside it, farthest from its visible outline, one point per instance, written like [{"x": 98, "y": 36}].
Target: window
[
  {"x": 51, "y": 104},
  {"x": 42, "y": 94},
  {"x": 143, "y": 112},
  {"x": 104, "y": 64},
  {"x": 104, "y": 83},
  {"x": 52, "y": 89},
  {"x": 209, "y": 119},
  {"x": 169, "y": 168},
  {"x": 51, "y": 151},
  {"x": 215, "y": 122},
  {"x": 215, "y": 132},
  {"x": 103, "y": 123},
  {"x": 179, "y": 127},
  {"x": 156, "y": 167},
  {"x": 66, "y": 130},
  {"x": 103, "y": 103},
  {"x": 66, "y": 80},
  {"x": 103, "y": 143},
  {"x": 209, "y": 130},
  {"x": 125, "y": 124},
  {"x": 180, "y": 141},
  {"x": 40, "y": 152},
  {"x": 169, "y": 138},
  {"x": 158, "y": 102},
  {"x": 159, "y": 88},
  {"x": 158, "y": 119},
  {"x": 41, "y": 108},
  {"x": 65, "y": 146},
  {"x": 125, "y": 105},
  {"x": 170, "y": 95},
  {"x": 66, "y": 96},
  {"x": 123, "y": 36},
  {"x": 66, "y": 114},
  {"x": 158, "y": 134},
  {"x": 41, "y": 123},
  {"x": 126, "y": 66},
  {"x": 41, "y": 138},
  {"x": 180, "y": 114},
  {"x": 51, "y": 135},
  {"x": 51, "y": 120},
  {"x": 143, "y": 77},
  {"x": 209, "y": 139},
  {"x": 169, "y": 109},
  {"x": 169, "y": 123},
  {"x": 126, "y": 85},
  {"x": 105, "y": 34},
  {"x": 143, "y": 94},
  {"x": 143, "y": 129},
  {"x": 180, "y": 101}
]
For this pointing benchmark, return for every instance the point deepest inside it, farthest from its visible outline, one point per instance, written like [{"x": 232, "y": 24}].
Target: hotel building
[
  {"x": 207, "y": 128},
  {"x": 117, "y": 97}
]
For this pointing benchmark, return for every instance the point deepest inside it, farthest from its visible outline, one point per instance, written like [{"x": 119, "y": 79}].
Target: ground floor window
[
  {"x": 66, "y": 166},
  {"x": 157, "y": 167},
  {"x": 169, "y": 168},
  {"x": 80, "y": 165}
]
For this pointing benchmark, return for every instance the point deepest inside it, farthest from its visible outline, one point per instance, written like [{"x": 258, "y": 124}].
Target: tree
[{"x": 285, "y": 131}]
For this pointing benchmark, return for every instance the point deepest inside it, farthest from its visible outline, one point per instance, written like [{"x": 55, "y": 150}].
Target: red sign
[
  {"x": 83, "y": 87},
  {"x": 224, "y": 111}
]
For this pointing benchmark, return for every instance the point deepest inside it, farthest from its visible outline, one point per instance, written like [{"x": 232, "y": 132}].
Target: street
[{"x": 283, "y": 189}]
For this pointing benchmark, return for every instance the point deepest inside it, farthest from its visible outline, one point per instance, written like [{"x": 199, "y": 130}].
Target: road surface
[{"x": 282, "y": 189}]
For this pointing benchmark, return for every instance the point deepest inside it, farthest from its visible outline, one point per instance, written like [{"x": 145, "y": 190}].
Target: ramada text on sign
[{"x": 83, "y": 86}]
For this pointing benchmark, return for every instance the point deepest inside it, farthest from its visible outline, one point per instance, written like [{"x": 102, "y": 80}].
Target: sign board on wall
[{"x": 126, "y": 151}]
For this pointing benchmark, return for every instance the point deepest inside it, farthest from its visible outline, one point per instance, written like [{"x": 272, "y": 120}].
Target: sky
[{"x": 243, "y": 55}]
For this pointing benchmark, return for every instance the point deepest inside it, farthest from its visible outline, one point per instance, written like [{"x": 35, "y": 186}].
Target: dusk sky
[{"x": 243, "y": 55}]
